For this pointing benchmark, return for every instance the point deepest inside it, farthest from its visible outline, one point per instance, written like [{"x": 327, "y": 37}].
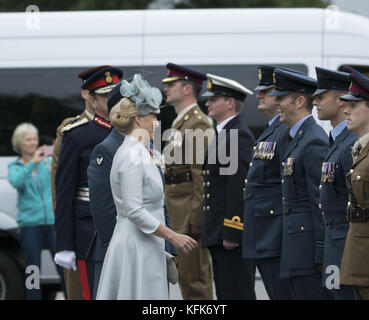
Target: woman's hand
[
  {"x": 39, "y": 155},
  {"x": 183, "y": 242}
]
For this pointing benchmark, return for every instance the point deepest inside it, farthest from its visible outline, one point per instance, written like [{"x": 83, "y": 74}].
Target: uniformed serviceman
[
  {"x": 73, "y": 221},
  {"x": 355, "y": 260},
  {"x": 184, "y": 157},
  {"x": 337, "y": 163},
  {"x": 102, "y": 206},
  {"x": 72, "y": 281},
  {"x": 303, "y": 225},
  {"x": 262, "y": 234},
  {"x": 222, "y": 226}
]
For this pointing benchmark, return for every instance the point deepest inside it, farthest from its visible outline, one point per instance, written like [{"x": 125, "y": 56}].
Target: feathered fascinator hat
[{"x": 146, "y": 97}]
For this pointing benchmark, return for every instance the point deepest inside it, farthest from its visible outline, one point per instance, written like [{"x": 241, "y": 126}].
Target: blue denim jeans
[{"x": 33, "y": 241}]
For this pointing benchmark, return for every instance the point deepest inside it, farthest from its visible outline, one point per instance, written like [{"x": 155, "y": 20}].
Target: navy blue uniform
[
  {"x": 262, "y": 234},
  {"x": 73, "y": 220},
  {"x": 223, "y": 214},
  {"x": 333, "y": 201},
  {"x": 303, "y": 225}
]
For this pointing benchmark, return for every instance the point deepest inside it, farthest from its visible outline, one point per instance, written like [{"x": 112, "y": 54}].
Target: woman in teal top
[{"x": 30, "y": 175}]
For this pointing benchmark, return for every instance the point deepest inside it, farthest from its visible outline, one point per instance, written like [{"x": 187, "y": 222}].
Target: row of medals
[
  {"x": 265, "y": 150},
  {"x": 328, "y": 169}
]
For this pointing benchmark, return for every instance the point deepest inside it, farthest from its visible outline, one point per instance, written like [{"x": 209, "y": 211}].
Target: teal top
[{"x": 34, "y": 202}]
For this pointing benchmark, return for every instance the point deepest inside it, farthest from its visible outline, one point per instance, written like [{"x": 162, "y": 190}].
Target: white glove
[{"x": 66, "y": 259}]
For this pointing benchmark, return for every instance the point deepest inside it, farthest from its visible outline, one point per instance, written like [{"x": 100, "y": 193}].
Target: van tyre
[{"x": 11, "y": 279}]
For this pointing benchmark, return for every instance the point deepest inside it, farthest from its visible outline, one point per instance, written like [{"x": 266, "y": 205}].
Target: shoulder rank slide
[
  {"x": 74, "y": 125},
  {"x": 235, "y": 223}
]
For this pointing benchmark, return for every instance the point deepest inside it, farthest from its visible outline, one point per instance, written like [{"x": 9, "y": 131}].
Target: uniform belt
[
  {"x": 177, "y": 178},
  {"x": 356, "y": 214},
  {"x": 83, "y": 194}
]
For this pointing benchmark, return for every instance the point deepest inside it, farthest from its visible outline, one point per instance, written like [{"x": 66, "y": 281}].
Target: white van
[{"x": 42, "y": 53}]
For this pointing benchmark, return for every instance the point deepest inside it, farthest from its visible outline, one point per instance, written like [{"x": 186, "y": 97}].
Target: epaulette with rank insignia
[{"x": 74, "y": 125}]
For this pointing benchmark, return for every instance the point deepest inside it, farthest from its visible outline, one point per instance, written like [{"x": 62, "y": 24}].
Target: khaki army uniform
[
  {"x": 72, "y": 280},
  {"x": 355, "y": 260},
  {"x": 184, "y": 199}
]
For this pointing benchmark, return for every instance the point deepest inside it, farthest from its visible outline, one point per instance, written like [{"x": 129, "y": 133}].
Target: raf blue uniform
[
  {"x": 262, "y": 234},
  {"x": 333, "y": 189},
  {"x": 101, "y": 200},
  {"x": 234, "y": 277},
  {"x": 333, "y": 202},
  {"x": 263, "y": 210},
  {"x": 303, "y": 225},
  {"x": 73, "y": 220}
]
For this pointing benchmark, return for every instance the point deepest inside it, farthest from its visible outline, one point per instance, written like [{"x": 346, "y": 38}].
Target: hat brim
[
  {"x": 277, "y": 93},
  {"x": 208, "y": 94},
  {"x": 169, "y": 79},
  {"x": 349, "y": 97},
  {"x": 319, "y": 92},
  {"x": 261, "y": 88},
  {"x": 105, "y": 89}
]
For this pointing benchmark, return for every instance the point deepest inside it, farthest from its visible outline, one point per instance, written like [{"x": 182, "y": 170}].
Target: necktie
[{"x": 331, "y": 141}]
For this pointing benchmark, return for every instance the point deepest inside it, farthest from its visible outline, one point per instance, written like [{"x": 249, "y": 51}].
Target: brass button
[
  {"x": 302, "y": 228},
  {"x": 320, "y": 206},
  {"x": 358, "y": 177},
  {"x": 208, "y": 208},
  {"x": 282, "y": 181},
  {"x": 283, "y": 164},
  {"x": 351, "y": 171},
  {"x": 203, "y": 173},
  {"x": 208, "y": 184},
  {"x": 204, "y": 184},
  {"x": 203, "y": 196},
  {"x": 250, "y": 164},
  {"x": 208, "y": 196},
  {"x": 208, "y": 172},
  {"x": 203, "y": 208},
  {"x": 244, "y": 189},
  {"x": 320, "y": 187},
  {"x": 255, "y": 148},
  {"x": 271, "y": 212},
  {"x": 245, "y": 181}
]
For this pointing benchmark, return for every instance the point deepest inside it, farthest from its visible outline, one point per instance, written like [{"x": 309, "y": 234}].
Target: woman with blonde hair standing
[
  {"x": 30, "y": 175},
  {"x": 135, "y": 263}
]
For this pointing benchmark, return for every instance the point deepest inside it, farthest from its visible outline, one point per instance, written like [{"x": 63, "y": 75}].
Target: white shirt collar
[
  {"x": 182, "y": 113},
  {"x": 221, "y": 125},
  {"x": 89, "y": 115}
]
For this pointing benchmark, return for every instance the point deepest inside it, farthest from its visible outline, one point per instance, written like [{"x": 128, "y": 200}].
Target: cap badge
[
  {"x": 350, "y": 86},
  {"x": 209, "y": 85},
  {"x": 99, "y": 160},
  {"x": 260, "y": 74},
  {"x": 274, "y": 78},
  {"x": 108, "y": 77}
]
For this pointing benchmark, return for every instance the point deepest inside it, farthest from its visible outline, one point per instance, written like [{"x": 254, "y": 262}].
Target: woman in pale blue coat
[
  {"x": 135, "y": 263},
  {"x": 30, "y": 175}
]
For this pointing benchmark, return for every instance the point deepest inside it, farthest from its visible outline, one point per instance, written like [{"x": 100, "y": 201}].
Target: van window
[{"x": 46, "y": 96}]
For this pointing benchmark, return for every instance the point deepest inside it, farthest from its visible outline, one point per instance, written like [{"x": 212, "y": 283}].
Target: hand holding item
[{"x": 39, "y": 155}]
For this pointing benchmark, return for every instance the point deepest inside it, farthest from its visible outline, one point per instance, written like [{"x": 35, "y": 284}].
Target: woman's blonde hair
[
  {"x": 122, "y": 115},
  {"x": 20, "y": 132}
]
